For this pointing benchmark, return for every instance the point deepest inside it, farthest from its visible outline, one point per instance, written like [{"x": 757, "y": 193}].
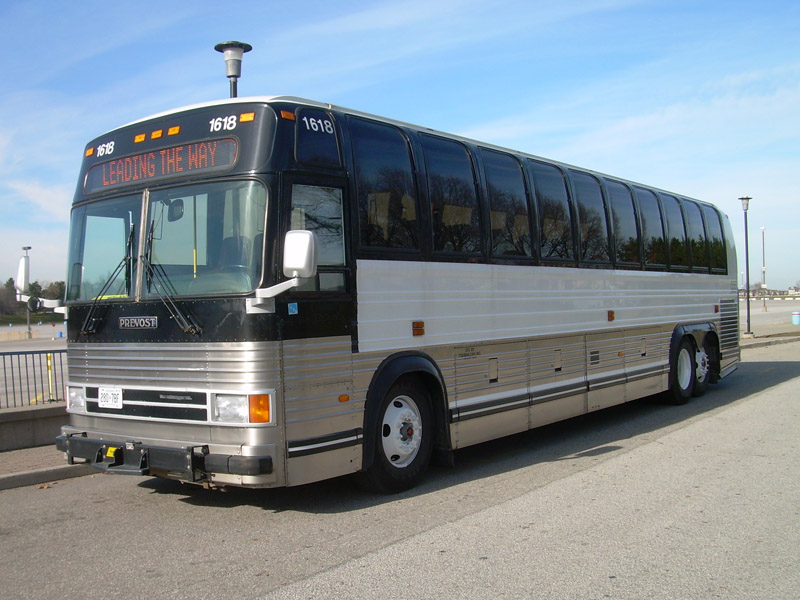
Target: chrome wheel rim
[
  {"x": 401, "y": 431},
  {"x": 702, "y": 362}
]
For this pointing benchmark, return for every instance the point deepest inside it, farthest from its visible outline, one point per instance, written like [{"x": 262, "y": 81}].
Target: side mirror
[
  {"x": 300, "y": 254},
  {"x": 299, "y": 262},
  {"x": 175, "y": 210},
  {"x": 23, "y": 275}
]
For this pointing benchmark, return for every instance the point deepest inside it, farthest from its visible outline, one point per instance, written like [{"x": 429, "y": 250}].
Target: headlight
[
  {"x": 255, "y": 408},
  {"x": 231, "y": 409},
  {"x": 76, "y": 399}
]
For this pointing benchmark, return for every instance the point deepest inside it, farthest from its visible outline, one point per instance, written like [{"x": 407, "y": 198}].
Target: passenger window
[
  {"x": 716, "y": 241},
  {"x": 319, "y": 209},
  {"x": 316, "y": 138},
  {"x": 552, "y": 202},
  {"x": 626, "y": 235},
  {"x": 511, "y": 234},
  {"x": 591, "y": 218},
  {"x": 676, "y": 230},
  {"x": 387, "y": 193},
  {"x": 697, "y": 236},
  {"x": 454, "y": 204},
  {"x": 652, "y": 229}
]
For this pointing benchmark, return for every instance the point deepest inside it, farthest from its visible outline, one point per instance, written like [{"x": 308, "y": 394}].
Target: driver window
[{"x": 319, "y": 209}]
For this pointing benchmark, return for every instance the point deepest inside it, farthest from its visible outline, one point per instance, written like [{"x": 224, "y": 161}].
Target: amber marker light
[
  {"x": 174, "y": 130},
  {"x": 89, "y": 152},
  {"x": 344, "y": 398},
  {"x": 140, "y": 137},
  {"x": 418, "y": 328},
  {"x": 247, "y": 117},
  {"x": 156, "y": 134},
  {"x": 259, "y": 408},
  {"x": 288, "y": 115}
]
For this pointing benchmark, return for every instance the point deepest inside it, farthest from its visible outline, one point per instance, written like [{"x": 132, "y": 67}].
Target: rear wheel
[
  {"x": 402, "y": 439},
  {"x": 682, "y": 374},
  {"x": 702, "y": 369}
]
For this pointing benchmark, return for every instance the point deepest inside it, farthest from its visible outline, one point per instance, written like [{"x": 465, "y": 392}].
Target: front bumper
[{"x": 186, "y": 463}]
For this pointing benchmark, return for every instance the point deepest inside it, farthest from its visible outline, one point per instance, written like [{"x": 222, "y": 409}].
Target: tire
[
  {"x": 403, "y": 439},
  {"x": 702, "y": 368},
  {"x": 682, "y": 373}
]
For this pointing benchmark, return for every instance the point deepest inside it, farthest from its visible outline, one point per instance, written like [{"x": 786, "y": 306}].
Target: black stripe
[{"x": 325, "y": 443}]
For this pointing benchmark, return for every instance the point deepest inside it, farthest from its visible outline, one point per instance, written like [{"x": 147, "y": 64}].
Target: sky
[{"x": 700, "y": 98}]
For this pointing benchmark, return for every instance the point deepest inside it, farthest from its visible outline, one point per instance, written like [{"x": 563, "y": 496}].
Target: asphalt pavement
[{"x": 44, "y": 465}]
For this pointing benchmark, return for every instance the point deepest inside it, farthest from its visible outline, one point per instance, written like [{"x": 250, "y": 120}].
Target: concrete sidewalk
[{"x": 45, "y": 464}]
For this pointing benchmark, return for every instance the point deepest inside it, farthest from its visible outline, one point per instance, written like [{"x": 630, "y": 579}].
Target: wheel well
[
  {"x": 401, "y": 366},
  {"x": 699, "y": 333}
]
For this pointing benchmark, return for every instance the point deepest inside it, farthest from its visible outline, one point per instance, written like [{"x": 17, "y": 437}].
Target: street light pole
[
  {"x": 27, "y": 306},
  {"x": 745, "y": 200},
  {"x": 763, "y": 270},
  {"x": 233, "y": 52}
]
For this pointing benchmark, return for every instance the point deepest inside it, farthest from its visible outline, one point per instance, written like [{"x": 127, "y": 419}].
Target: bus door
[{"x": 323, "y": 423}]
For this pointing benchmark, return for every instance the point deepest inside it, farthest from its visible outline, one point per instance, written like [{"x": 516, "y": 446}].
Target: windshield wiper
[
  {"x": 164, "y": 289},
  {"x": 90, "y": 323}
]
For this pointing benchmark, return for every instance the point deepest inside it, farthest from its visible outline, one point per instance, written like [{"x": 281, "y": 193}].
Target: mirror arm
[
  {"x": 277, "y": 289},
  {"x": 264, "y": 302}
]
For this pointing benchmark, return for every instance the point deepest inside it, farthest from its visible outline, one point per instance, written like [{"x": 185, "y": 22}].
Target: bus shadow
[{"x": 591, "y": 436}]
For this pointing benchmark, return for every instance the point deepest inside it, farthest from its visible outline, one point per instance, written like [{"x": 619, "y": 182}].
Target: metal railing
[{"x": 30, "y": 378}]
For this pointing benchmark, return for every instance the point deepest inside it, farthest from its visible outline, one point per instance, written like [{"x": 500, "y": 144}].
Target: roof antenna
[{"x": 233, "y": 52}]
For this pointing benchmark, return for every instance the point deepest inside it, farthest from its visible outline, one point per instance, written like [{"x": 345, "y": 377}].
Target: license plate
[{"x": 110, "y": 398}]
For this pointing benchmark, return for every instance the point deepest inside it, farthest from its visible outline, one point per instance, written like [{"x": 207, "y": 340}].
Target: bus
[{"x": 272, "y": 291}]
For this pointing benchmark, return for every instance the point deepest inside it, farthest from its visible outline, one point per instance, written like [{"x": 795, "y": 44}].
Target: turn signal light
[{"x": 259, "y": 408}]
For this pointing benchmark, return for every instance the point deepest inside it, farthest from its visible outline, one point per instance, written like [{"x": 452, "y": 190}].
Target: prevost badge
[{"x": 138, "y": 322}]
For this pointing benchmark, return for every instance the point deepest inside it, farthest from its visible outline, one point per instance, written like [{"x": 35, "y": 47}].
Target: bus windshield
[{"x": 200, "y": 239}]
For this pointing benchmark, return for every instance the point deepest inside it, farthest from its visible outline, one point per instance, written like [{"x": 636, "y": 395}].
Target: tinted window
[
  {"x": 387, "y": 195},
  {"x": 715, "y": 240},
  {"x": 676, "y": 231},
  {"x": 652, "y": 229},
  {"x": 316, "y": 138},
  {"x": 591, "y": 218},
  {"x": 319, "y": 209},
  {"x": 552, "y": 200},
  {"x": 511, "y": 234},
  {"x": 626, "y": 236},
  {"x": 454, "y": 205},
  {"x": 696, "y": 235}
]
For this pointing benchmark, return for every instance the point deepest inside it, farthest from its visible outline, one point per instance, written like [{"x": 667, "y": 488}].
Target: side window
[
  {"x": 653, "y": 246},
  {"x": 454, "y": 204},
  {"x": 716, "y": 241},
  {"x": 319, "y": 209},
  {"x": 316, "y": 138},
  {"x": 626, "y": 236},
  {"x": 555, "y": 222},
  {"x": 387, "y": 194},
  {"x": 696, "y": 235},
  {"x": 591, "y": 218},
  {"x": 508, "y": 208},
  {"x": 676, "y": 231}
]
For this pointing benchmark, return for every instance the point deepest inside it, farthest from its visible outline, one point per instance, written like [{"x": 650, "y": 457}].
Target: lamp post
[
  {"x": 763, "y": 271},
  {"x": 233, "y": 52},
  {"x": 27, "y": 306},
  {"x": 745, "y": 200}
]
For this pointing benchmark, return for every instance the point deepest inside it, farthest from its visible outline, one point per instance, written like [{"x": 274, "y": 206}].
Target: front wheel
[
  {"x": 682, "y": 373},
  {"x": 402, "y": 439}
]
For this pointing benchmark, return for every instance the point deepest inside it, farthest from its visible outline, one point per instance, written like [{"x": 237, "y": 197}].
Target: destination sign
[{"x": 175, "y": 161}]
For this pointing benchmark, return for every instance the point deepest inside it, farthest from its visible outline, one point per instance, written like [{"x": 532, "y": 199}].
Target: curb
[{"x": 45, "y": 475}]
